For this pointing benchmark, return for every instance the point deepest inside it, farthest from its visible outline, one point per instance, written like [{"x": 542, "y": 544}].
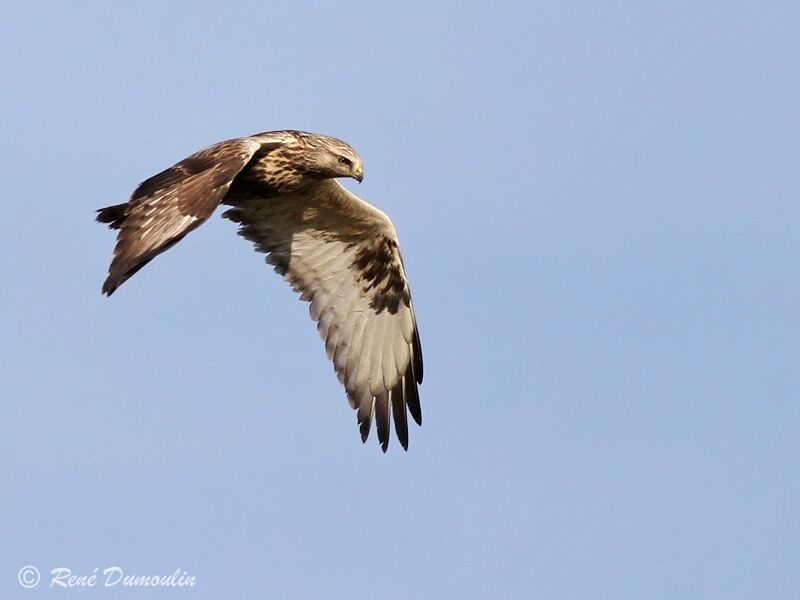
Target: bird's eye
[{"x": 345, "y": 161}]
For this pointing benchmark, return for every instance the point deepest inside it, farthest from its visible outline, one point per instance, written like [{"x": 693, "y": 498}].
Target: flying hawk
[{"x": 339, "y": 252}]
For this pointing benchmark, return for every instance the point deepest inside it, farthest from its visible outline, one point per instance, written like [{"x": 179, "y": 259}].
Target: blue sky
[{"x": 597, "y": 204}]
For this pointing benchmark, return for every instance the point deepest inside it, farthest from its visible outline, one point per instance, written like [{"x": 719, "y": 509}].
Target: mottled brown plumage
[{"x": 340, "y": 253}]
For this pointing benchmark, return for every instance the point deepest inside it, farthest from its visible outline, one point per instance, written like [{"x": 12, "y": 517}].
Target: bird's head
[{"x": 333, "y": 158}]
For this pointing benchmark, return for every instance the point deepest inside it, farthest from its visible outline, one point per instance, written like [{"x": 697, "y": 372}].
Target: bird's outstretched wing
[
  {"x": 341, "y": 254},
  {"x": 164, "y": 208}
]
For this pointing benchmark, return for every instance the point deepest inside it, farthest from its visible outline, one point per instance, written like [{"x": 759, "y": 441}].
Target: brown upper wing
[
  {"x": 341, "y": 254},
  {"x": 164, "y": 208}
]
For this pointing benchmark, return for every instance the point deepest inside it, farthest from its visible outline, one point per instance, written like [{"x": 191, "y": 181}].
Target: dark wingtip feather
[
  {"x": 363, "y": 428},
  {"x": 109, "y": 286},
  {"x": 412, "y": 396},
  {"x": 382, "y": 419},
  {"x": 417, "y": 360},
  {"x": 113, "y": 216},
  {"x": 399, "y": 413},
  {"x": 365, "y": 418}
]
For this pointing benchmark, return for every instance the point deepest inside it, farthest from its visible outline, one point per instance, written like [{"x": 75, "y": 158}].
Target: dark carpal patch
[{"x": 380, "y": 270}]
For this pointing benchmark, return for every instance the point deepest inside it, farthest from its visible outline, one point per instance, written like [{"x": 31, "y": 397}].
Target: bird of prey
[{"x": 339, "y": 252}]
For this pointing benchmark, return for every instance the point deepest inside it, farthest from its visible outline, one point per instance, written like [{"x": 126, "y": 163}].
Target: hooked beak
[{"x": 358, "y": 173}]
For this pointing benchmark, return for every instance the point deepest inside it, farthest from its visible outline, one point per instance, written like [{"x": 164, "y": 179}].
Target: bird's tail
[{"x": 113, "y": 215}]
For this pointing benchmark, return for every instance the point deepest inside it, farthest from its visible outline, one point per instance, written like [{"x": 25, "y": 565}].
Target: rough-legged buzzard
[{"x": 337, "y": 251}]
